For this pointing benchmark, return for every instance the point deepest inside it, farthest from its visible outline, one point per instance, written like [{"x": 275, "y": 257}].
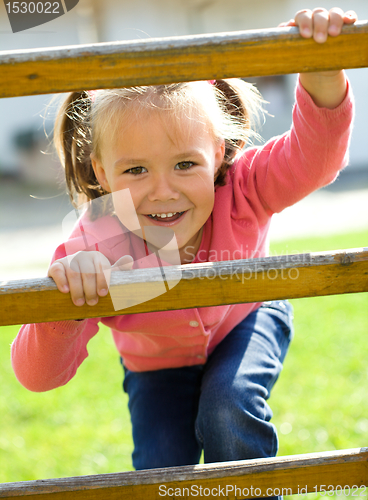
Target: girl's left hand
[
  {"x": 319, "y": 23},
  {"x": 327, "y": 88}
]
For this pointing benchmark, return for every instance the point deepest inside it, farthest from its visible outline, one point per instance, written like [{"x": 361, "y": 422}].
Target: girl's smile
[
  {"x": 166, "y": 219},
  {"x": 169, "y": 167}
]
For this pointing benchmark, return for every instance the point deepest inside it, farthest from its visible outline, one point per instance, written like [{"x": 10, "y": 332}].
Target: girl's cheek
[{"x": 124, "y": 206}]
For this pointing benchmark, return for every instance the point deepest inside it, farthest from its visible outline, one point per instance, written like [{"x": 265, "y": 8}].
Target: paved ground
[
  {"x": 30, "y": 228},
  {"x": 323, "y": 213}
]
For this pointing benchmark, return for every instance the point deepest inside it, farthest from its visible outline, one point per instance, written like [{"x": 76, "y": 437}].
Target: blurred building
[{"x": 22, "y": 124}]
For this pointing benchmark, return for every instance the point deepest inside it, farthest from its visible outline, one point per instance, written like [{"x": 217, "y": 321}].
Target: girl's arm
[
  {"x": 328, "y": 88},
  {"x": 310, "y": 155},
  {"x": 291, "y": 166},
  {"x": 47, "y": 355}
]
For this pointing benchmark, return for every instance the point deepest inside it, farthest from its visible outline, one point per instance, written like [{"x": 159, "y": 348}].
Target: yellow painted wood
[
  {"x": 200, "y": 285},
  {"x": 166, "y": 60},
  {"x": 311, "y": 473}
]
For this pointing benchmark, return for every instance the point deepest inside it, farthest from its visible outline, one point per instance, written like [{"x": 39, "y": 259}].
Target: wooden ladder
[{"x": 157, "y": 61}]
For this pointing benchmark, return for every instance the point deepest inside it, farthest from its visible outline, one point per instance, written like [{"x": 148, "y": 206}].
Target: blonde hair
[{"x": 230, "y": 109}]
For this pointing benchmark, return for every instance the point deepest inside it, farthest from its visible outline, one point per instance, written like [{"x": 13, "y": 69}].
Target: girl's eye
[
  {"x": 135, "y": 170},
  {"x": 185, "y": 165}
]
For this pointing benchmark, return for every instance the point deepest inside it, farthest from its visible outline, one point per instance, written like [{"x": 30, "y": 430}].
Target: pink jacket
[{"x": 265, "y": 180}]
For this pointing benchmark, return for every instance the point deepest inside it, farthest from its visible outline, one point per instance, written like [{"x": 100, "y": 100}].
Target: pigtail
[
  {"x": 73, "y": 142},
  {"x": 242, "y": 103}
]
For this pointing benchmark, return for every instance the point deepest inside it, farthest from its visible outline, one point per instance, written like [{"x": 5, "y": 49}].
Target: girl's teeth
[{"x": 163, "y": 216}]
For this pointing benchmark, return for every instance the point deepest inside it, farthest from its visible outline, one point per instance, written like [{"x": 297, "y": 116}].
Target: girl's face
[{"x": 169, "y": 168}]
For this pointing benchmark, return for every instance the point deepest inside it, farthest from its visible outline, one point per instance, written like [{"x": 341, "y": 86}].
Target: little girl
[{"x": 197, "y": 379}]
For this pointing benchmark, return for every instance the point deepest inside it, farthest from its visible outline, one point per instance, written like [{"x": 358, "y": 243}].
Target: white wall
[{"x": 176, "y": 17}]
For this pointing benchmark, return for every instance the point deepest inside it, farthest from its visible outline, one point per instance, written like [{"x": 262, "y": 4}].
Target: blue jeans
[{"x": 219, "y": 407}]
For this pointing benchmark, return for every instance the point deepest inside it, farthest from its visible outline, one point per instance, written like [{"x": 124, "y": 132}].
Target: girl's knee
[
  {"x": 229, "y": 409},
  {"x": 239, "y": 394},
  {"x": 232, "y": 432}
]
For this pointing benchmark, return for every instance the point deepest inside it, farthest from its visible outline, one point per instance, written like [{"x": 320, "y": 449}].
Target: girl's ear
[
  {"x": 219, "y": 155},
  {"x": 100, "y": 173}
]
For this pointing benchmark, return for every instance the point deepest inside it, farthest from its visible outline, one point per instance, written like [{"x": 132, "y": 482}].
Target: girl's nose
[{"x": 163, "y": 189}]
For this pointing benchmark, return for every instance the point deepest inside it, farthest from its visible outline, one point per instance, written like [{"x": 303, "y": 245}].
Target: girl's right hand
[{"x": 86, "y": 275}]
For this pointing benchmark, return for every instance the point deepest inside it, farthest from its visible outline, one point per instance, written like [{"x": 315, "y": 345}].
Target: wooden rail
[
  {"x": 202, "y": 285},
  {"x": 345, "y": 471},
  {"x": 175, "y": 59}
]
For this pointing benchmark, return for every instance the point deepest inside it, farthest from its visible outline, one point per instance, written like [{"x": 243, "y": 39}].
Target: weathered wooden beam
[
  {"x": 298, "y": 474},
  {"x": 198, "y": 285},
  {"x": 165, "y": 60}
]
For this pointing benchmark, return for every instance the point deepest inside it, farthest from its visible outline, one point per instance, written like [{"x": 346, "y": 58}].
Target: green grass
[
  {"x": 81, "y": 428},
  {"x": 319, "y": 403}
]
